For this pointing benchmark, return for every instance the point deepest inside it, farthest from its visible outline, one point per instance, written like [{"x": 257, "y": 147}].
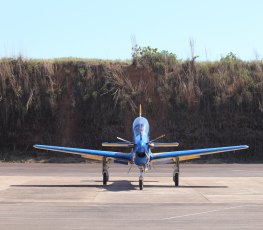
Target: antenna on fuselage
[{"x": 140, "y": 112}]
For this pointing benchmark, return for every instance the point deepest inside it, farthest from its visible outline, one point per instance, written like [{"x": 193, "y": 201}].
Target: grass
[{"x": 70, "y": 59}]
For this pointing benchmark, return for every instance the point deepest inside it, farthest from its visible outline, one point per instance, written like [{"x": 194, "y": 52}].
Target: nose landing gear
[{"x": 141, "y": 178}]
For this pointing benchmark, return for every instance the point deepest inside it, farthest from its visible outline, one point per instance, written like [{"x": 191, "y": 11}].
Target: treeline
[{"x": 81, "y": 103}]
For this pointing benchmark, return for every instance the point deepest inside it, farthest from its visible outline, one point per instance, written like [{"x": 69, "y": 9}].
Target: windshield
[{"x": 140, "y": 125}]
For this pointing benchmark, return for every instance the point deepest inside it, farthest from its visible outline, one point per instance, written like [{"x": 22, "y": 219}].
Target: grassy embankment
[{"x": 76, "y": 102}]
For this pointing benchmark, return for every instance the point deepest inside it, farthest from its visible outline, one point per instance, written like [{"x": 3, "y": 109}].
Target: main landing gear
[
  {"x": 105, "y": 173},
  {"x": 141, "y": 178},
  {"x": 176, "y": 173}
]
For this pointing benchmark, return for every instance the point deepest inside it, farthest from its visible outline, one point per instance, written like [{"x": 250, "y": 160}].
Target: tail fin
[{"x": 140, "y": 115}]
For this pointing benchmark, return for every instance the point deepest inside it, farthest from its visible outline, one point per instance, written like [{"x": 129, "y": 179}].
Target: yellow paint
[
  {"x": 92, "y": 157},
  {"x": 187, "y": 158}
]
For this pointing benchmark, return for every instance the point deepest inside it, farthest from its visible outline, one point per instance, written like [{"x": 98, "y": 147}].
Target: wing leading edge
[
  {"x": 196, "y": 152},
  {"x": 85, "y": 152}
]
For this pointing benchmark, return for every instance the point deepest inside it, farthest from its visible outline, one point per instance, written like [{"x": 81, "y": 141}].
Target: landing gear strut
[
  {"x": 141, "y": 179},
  {"x": 105, "y": 173},
  {"x": 176, "y": 173}
]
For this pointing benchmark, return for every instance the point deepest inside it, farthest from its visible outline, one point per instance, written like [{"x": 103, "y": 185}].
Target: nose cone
[{"x": 141, "y": 156}]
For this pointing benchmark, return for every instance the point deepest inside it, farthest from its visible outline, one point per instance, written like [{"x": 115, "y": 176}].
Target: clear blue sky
[{"x": 103, "y": 29}]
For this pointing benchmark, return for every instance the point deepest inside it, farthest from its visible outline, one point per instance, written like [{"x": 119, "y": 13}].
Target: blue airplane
[{"x": 140, "y": 154}]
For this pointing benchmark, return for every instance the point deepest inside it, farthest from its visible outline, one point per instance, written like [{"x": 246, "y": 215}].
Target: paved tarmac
[{"x": 71, "y": 196}]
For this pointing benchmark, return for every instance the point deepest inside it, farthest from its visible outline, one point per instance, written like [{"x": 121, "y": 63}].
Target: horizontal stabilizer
[
  {"x": 162, "y": 144},
  {"x": 117, "y": 144}
]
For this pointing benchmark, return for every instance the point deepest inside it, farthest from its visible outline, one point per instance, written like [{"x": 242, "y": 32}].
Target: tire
[
  {"x": 105, "y": 178},
  {"x": 176, "y": 179},
  {"x": 141, "y": 184}
]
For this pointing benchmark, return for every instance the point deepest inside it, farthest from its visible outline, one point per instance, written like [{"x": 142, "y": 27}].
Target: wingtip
[{"x": 244, "y": 146}]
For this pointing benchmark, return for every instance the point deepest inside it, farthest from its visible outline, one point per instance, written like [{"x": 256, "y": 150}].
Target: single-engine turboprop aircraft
[{"x": 141, "y": 154}]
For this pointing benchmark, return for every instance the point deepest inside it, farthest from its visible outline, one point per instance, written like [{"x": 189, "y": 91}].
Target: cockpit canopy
[{"x": 140, "y": 125}]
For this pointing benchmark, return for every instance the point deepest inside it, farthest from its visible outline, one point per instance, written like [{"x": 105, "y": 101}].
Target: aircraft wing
[
  {"x": 196, "y": 152},
  {"x": 86, "y": 153}
]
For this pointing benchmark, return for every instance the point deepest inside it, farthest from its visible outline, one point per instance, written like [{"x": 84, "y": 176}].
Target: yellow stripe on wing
[
  {"x": 92, "y": 157},
  {"x": 188, "y": 158}
]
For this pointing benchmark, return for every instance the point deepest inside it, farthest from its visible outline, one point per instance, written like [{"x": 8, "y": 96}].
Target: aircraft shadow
[
  {"x": 132, "y": 181},
  {"x": 202, "y": 186},
  {"x": 115, "y": 186},
  {"x": 58, "y": 186},
  {"x": 182, "y": 186},
  {"x": 121, "y": 185}
]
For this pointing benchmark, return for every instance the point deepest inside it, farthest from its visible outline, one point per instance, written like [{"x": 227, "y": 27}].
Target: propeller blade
[
  {"x": 121, "y": 139},
  {"x": 157, "y": 138}
]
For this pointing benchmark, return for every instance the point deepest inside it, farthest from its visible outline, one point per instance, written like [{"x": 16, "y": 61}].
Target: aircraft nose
[{"x": 141, "y": 147}]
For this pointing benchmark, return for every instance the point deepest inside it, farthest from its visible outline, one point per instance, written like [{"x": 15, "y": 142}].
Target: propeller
[
  {"x": 150, "y": 143},
  {"x": 121, "y": 139},
  {"x": 131, "y": 144},
  {"x": 157, "y": 138}
]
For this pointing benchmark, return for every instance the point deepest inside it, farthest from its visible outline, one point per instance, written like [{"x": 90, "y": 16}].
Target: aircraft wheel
[
  {"x": 176, "y": 179},
  {"x": 141, "y": 184},
  {"x": 105, "y": 178}
]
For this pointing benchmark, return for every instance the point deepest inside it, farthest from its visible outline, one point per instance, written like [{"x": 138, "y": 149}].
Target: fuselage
[{"x": 141, "y": 132}]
